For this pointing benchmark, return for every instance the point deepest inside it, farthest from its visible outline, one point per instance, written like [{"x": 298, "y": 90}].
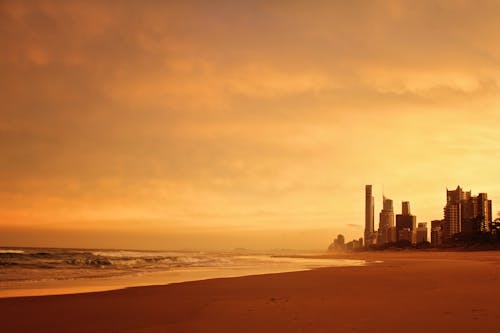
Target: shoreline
[
  {"x": 161, "y": 277},
  {"x": 407, "y": 292}
]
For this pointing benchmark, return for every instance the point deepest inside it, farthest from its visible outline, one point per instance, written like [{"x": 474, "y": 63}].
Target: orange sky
[{"x": 152, "y": 124}]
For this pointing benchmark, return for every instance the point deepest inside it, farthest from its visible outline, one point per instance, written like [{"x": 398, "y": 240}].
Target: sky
[{"x": 224, "y": 124}]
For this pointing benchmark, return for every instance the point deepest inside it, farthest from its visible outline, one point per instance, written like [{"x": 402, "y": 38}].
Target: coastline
[
  {"x": 407, "y": 291},
  {"x": 57, "y": 279}
]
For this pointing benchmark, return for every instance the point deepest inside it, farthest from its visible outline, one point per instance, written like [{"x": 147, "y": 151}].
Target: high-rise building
[
  {"x": 369, "y": 216},
  {"x": 421, "y": 233},
  {"x": 386, "y": 223},
  {"x": 453, "y": 212},
  {"x": 405, "y": 208},
  {"x": 484, "y": 214},
  {"x": 468, "y": 210},
  {"x": 465, "y": 213},
  {"x": 405, "y": 221},
  {"x": 436, "y": 224},
  {"x": 495, "y": 227},
  {"x": 405, "y": 234},
  {"x": 392, "y": 234},
  {"x": 452, "y": 220},
  {"x": 437, "y": 232}
]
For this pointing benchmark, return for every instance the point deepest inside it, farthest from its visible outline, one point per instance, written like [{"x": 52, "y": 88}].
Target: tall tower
[
  {"x": 453, "y": 212},
  {"x": 465, "y": 213},
  {"x": 406, "y": 223},
  {"x": 369, "y": 215},
  {"x": 484, "y": 211},
  {"x": 386, "y": 223},
  {"x": 405, "y": 208}
]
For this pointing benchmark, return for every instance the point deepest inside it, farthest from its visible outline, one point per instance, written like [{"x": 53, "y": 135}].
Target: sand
[{"x": 408, "y": 292}]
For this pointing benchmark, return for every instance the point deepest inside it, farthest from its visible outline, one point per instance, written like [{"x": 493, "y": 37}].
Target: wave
[
  {"x": 124, "y": 260},
  {"x": 69, "y": 264},
  {"x": 11, "y": 251}
]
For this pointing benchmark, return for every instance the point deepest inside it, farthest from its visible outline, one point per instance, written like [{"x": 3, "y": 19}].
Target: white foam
[{"x": 11, "y": 251}]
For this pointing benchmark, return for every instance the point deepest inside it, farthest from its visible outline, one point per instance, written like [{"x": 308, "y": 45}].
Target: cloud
[{"x": 231, "y": 114}]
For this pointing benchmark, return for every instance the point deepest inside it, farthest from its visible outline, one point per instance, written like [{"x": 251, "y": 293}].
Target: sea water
[{"x": 46, "y": 271}]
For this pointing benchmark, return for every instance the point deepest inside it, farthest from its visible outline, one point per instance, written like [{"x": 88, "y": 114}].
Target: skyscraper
[
  {"x": 452, "y": 219},
  {"x": 406, "y": 234},
  {"x": 421, "y": 233},
  {"x": 369, "y": 215},
  {"x": 437, "y": 232},
  {"x": 405, "y": 209},
  {"x": 453, "y": 211},
  {"x": 484, "y": 214},
  {"x": 465, "y": 213},
  {"x": 386, "y": 223},
  {"x": 405, "y": 221}
]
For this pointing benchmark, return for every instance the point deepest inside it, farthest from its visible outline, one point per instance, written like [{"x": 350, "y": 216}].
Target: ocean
[{"x": 48, "y": 271}]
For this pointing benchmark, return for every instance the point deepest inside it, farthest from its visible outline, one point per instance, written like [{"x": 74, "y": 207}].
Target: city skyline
[{"x": 463, "y": 213}]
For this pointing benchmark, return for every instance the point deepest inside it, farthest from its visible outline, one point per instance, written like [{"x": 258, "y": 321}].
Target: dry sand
[{"x": 408, "y": 292}]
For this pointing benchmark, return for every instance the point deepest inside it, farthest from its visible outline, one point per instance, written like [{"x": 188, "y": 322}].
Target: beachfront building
[
  {"x": 406, "y": 221},
  {"x": 405, "y": 234},
  {"x": 452, "y": 219},
  {"x": 405, "y": 208},
  {"x": 370, "y": 236},
  {"x": 465, "y": 213},
  {"x": 495, "y": 227},
  {"x": 485, "y": 212},
  {"x": 386, "y": 230},
  {"x": 338, "y": 244},
  {"x": 437, "y": 233},
  {"x": 354, "y": 244},
  {"x": 421, "y": 234},
  {"x": 453, "y": 212}
]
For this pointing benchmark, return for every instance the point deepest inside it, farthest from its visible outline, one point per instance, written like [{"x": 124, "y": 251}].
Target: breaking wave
[{"x": 31, "y": 265}]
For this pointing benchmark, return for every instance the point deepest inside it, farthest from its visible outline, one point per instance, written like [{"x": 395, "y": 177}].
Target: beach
[{"x": 406, "y": 291}]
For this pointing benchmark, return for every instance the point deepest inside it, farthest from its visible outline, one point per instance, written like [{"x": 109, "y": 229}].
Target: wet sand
[{"x": 408, "y": 292}]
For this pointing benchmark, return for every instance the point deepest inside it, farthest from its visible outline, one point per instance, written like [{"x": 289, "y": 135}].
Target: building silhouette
[
  {"x": 476, "y": 213},
  {"x": 354, "y": 244},
  {"x": 485, "y": 212},
  {"x": 453, "y": 212},
  {"x": 405, "y": 208},
  {"x": 437, "y": 232},
  {"x": 406, "y": 221},
  {"x": 421, "y": 235},
  {"x": 338, "y": 244},
  {"x": 405, "y": 234},
  {"x": 464, "y": 213},
  {"x": 386, "y": 228},
  {"x": 466, "y": 217},
  {"x": 369, "y": 216}
]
